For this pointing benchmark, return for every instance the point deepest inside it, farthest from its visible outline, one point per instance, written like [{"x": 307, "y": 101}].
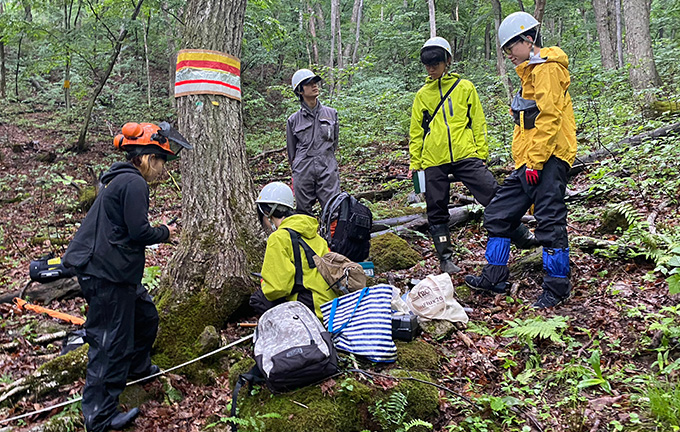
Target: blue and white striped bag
[{"x": 361, "y": 323}]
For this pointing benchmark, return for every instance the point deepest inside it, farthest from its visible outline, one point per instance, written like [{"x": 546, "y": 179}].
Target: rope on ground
[{"x": 78, "y": 399}]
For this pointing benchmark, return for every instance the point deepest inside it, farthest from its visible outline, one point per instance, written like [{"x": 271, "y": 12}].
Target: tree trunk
[
  {"x": 341, "y": 62},
  {"x": 81, "y": 144},
  {"x": 334, "y": 20},
  {"x": 170, "y": 53},
  {"x": 539, "y": 9},
  {"x": 356, "y": 37},
  {"x": 584, "y": 15},
  {"x": 487, "y": 41},
  {"x": 603, "y": 19},
  {"x": 500, "y": 59},
  {"x": 312, "y": 32},
  {"x": 433, "y": 21},
  {"x": 355, "y": 13},
  {"x": 208, "y": 277},
  {"x": 3, "y": 64},
  {"x": 619, "y": 33},
  {"x": 145, "y": 29},
  {"x": 642, "y": 73}
]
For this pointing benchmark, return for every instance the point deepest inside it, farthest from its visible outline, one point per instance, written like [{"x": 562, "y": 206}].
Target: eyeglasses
[{"x": 507, "y": 49}]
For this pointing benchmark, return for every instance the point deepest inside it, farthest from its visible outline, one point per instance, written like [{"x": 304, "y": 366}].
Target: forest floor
[{"x": 592, "y": 364}]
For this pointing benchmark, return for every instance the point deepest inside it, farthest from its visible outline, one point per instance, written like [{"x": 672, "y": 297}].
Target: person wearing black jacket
[{"x": 107, "y": 253}]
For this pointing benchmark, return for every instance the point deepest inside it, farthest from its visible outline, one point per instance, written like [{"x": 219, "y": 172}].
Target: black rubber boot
[
  {"x": 493, "y": 280},
  {"x": 555, "y": 292},
  {"x": 522, "y": 238},
  {"x": 442, "y": 243},
  {"x": 122, "y": 420}
]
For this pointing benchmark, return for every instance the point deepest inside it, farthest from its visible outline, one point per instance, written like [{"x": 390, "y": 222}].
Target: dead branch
[
  {"x": 45, "y": 293},
  {"x": 259, "y": 156}
]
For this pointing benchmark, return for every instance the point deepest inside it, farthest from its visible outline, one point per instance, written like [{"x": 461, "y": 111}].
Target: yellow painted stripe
[{"x": 208, "y": 56}]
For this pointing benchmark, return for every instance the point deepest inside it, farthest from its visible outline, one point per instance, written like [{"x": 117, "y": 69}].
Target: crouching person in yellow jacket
[
  {"x": 543, "y": 147},
  {"x": 282, "y": 279},
  {"x": 448, "y": 137}
]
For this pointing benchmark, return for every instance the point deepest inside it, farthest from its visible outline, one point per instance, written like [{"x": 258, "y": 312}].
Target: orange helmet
[{"x": 147, "y": 138}]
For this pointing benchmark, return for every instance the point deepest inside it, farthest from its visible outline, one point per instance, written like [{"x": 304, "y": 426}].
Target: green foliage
[
  {"x": 249, "y": 424},
  {"x": 664, "y": 403},
  {"x": 390, "y": 414},
  {"x": 530, "y": 329},
  {"x": 151, "y": 277},
  {"x": 597, "y": 379}
]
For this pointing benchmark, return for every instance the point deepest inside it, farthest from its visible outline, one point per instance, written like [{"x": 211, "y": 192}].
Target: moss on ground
[
  {"x": 390, "y": 252},
  {"x": 423, "y": 399},
  {"x": 417, "y": 355}
]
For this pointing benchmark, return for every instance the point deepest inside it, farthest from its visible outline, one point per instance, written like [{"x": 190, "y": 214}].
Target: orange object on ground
[{"x": 23, "y": 304}]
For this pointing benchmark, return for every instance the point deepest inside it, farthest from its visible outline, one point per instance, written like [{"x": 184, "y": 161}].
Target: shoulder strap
[
  {"x": 296, "y": 241},
  {"x": 441, "y": 102},
  {"x": 253, "y": 376}
]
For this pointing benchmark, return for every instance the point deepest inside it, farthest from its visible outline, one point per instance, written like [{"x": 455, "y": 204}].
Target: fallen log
[
  {"x": 45, "y": 293},
  {"x": 44, "y": 339},
  {"x": 457, "y": 216},
  {"x": 376, "y": 195},
  {"x": 585, "y": 161}
]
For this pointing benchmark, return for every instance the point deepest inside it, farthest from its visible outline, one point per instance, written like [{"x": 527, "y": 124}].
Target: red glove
[{"x": 532, "y": 176}]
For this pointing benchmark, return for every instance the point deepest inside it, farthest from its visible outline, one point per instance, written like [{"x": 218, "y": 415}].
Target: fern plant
[
  {"x": 391, "y": 412},
  {"x": 530, "y": 329}
]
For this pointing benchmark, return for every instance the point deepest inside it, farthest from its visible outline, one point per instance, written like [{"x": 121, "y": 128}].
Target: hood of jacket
[
  {"x": 449, "y": 76},
  {"x": 306, "y": 226},
  {"x": 117, "y": 169}
]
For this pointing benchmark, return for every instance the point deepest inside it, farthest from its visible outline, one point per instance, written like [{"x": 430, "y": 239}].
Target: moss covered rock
[
  {"x": 438, "y": 329},
  {"x": 423, "y": 399},
  {"x": 418, "y": 355},
  {"x": 390, "y": 252}
]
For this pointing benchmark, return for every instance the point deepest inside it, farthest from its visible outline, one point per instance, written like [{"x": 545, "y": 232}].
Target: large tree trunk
[
  {"x": 209, "y": 276},
  {"x": 605, "y": 31},
  {"x": 433, "y": 21},
  {"x": 500, "y": 59},
  {"x": 642, "y": 73},
  {"x": 81, "y": 145}
]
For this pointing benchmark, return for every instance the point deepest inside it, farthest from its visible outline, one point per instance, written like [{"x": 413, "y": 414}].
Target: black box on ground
[{"x": 405, "y": 327}]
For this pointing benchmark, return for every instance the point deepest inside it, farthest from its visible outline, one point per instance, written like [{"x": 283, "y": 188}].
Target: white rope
[{"x": 79, "y": 398}]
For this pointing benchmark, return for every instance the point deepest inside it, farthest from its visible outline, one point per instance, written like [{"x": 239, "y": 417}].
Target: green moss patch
[
  {"x": 390, "y": 252},
  {"x": 418, "y": 355}
]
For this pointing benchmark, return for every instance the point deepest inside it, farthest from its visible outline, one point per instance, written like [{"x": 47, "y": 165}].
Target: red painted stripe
[
  {"x": 179, "y": 83},
  {"x": 208, "y": 65}
]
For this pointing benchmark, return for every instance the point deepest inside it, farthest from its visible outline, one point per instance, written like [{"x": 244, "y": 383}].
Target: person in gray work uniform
[{"x": 312, "y": 139}]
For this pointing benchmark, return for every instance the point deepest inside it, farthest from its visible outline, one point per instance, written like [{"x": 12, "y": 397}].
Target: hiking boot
[
  {"x": 547, "y": 300},
  {"x": 153, "y": 369},
  {"x": 522, "y": 238},
  {"x": 481, "y": 284},
  {"x": 442, "y": 244},
  {"x": 122, "y": 420}
]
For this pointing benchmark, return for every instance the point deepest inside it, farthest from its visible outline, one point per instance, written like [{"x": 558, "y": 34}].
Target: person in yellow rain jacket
[
  {"x": 280, "y": 280},
  {"x": 453, "y": 143},
  {"x": 543, "y": 147}
]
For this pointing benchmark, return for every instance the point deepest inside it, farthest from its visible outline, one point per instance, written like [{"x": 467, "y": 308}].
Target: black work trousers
[
  {"x": 121, "y": 327},
  {"x": 503, "y": 215},
  {"x": 472, "y": 172}
]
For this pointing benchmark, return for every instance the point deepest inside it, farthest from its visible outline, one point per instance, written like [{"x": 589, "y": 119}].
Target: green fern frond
[
  {"x": 538, "y": 327},
  {"x": 415, "y": 423},
  {"x": 628, "y": 211}
]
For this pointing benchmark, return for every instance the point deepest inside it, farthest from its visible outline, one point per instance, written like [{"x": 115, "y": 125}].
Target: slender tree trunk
[
  {"x": 619, "y": 33},
  {"x": 539, "y": 9},
  {"x": 334, "y": 20},
  {"x": 584, "y": 15},
  {"x": 355, "y": 12},
  {"x": 81, "y": 145},
  {"x": 603, "y": 20},
  {"x": 642, "y": 73},
  {"x": 208, "y": 277},
  {"x": 500, "y": 59},
  {"x": 170, "y": 51},
  {"x": 146, "y": 58},
  {"x": 521, "y": 5},
  {"x": 433, "y": 21},
  {"x": 487, "y": 41},
  {"x": 16, "y": 71},
  {"x": 338, "y": 26},
  {"x": 356, "y": 37},
  {"x": 312, "y": 32},
  {"x": 3, "y": 64},
  {"x": 68, "y": 9}
]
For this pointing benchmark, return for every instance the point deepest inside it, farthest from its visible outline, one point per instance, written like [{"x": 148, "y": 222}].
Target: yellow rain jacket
[
  {"x": 278, "y": 269},
  {"x": 545, "y": 81},
  {"x": 458, "y": 130}
]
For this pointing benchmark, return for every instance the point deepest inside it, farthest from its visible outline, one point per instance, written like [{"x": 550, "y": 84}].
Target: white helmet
[
  {"x": 302, "y": 75},
  {"x": 514, "y": 25},
  {"x": 439, "y": 42},
  {"x": 276, "y": 194}
]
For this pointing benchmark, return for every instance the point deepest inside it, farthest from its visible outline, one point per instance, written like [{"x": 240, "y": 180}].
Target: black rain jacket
[{"x": 110, "y": 242}]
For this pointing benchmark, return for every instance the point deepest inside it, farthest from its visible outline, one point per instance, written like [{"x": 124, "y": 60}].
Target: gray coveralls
[{"x": 312, "y": 138}]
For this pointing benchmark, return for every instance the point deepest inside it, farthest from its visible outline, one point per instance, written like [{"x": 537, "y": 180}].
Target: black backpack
[{"x": 352, "y": 236}]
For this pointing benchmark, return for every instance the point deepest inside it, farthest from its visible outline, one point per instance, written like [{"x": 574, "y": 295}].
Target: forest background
[{"x": 73, "y": 71}]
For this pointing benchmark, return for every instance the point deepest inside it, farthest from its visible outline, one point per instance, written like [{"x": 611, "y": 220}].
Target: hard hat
[
  {"x": 303, "y": 75},
  {"x": 438, "y": 42},
  {"x": 514, "y": 25},
  {"x": 148, "y": 138},
  {"x": 276, "y": 194}
]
